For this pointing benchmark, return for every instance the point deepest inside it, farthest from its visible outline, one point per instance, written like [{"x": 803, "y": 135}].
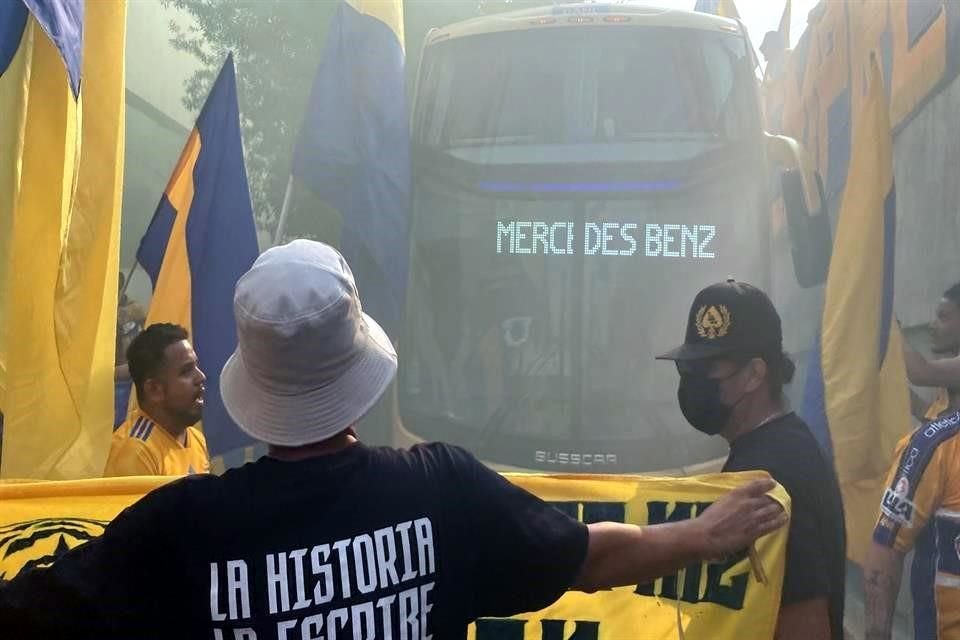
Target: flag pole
[
  {"x": 284, "y": 210},
  {"x": 126, "y": 280}
]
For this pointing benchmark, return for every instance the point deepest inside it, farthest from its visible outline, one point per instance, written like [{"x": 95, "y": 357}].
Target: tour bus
[{"x": 581, "y": 171}]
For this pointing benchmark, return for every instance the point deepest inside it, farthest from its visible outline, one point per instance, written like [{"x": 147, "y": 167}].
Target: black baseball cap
[{"x": 729, "y": 318}]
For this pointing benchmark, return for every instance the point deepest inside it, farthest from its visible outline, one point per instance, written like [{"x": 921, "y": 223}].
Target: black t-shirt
[
  {"x": 816, "y": 547},
  {"x": 367, "y": 542}
]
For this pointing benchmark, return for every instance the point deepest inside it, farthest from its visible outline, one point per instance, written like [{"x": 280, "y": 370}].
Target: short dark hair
[
  {"x": 145, "y": 355},
  {"x": 953, "y": 294}
]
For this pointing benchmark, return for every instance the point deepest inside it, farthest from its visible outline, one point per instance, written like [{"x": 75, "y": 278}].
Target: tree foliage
[{"x": 276, "y": 46}]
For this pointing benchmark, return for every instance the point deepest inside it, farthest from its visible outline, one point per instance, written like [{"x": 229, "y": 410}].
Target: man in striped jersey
[
  {"x": 159, "y": 437},
  {"x": 919, "y": 511}
]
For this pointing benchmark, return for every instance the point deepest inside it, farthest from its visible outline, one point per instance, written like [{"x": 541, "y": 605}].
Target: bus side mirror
[{"x": 804, "y": 202}]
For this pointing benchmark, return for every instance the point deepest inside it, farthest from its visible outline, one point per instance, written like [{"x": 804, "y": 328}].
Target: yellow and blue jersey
[
  {"x": 141, "y": 447},
  {"x": 940, "y": 404},
  {"x": 920, "y": 510}
]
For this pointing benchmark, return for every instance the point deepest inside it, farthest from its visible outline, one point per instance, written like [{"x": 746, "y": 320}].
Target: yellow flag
[
  {"x": 40, "y": 521},
  {"x": 61, "y": 218},
  {"x": 725, "y": 601},
  {"x": 720, "y": 601},
  {"x": 728, "y": 9},
  {"x": 866, "y": 403}
]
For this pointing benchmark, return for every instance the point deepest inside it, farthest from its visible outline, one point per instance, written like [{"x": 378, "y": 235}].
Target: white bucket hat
[{"x": 309, "y": 362}]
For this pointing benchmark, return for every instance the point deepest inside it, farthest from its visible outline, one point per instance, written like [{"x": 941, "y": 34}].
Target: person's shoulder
[
  {"x": 793, "y": 423},
  {"x": 170, "y": 501},
  {"x": 920, "y": 446},
  {"x": 792, "y": 434},
  {"x": 429, "y": 457},
  {"x": 133, "y": 438},
  {"x": 137, "y": 429},
  {"x": 786, "y": 448},
  {"x": 933, "y": 433},
  {"x": 442, "y": 453}
]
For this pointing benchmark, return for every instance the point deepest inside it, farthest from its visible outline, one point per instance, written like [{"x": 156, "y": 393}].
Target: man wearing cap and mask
[
  {"x": 732, "y": 370},
  {"x": 326, "y": 537}
]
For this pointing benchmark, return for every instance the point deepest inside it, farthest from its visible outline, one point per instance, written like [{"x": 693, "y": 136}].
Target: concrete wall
[{"x": 927, "y": 170}]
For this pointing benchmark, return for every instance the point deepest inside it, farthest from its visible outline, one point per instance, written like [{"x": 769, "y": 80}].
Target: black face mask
[{"x": 700, "y": 402}]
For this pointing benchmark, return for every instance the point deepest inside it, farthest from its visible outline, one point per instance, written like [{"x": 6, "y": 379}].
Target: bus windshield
[
  {"x": 574, "y": 187},
  {"x": 585, "y": 85}
]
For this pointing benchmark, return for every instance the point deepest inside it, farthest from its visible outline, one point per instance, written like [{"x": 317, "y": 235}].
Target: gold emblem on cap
[{"x": 713, "y": 321}]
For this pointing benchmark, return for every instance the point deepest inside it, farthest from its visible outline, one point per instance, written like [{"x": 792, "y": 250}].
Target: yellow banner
[
  {"x": 40, "y": 521},
  {"x": 720, "y": 601}
]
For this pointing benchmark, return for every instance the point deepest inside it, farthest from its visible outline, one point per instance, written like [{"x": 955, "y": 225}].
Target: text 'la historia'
[{"x": 387, "y": 575}]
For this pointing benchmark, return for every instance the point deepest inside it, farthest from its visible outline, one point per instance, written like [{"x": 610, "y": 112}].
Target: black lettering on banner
[
  {"x": 730, "y": 596},
  {"x": 582, "y": 630},
  {"x": 505, "y": 629},
  {"x": 500, "y": 629},
  {"x": 593, "y": 511}
]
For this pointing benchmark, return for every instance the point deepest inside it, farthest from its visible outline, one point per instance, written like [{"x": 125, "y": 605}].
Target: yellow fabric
[
  {"x": 39, "y": 417},
  {"x": 13, "y": 105},
  {"x": 171, "y": 300},
  {"x": 72, "y": 511},
  {"x": 841, "y": 36},
  {"x": 624, "y": 614},
  {"x": 939, "y": 405},
  {"x": 728, "y": 9},
  {"x": 731, "y": 602},
  {"x": 389, "y": 12},
  {"x": 867, "y": 400},
  {"x": 918, "y": 67},
  {"x": 85, "y": 302},
  {"x": 140, "y": 447},
  {"x": 59, "y": 219},
  {"x": 922, "y": 493},
  {"x": 934, "y": 486}
]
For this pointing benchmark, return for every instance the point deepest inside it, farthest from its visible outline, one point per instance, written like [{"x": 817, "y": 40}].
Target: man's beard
[{"x": 190, "y": 418}]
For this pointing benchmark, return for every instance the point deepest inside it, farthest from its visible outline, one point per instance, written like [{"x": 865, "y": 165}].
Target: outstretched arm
[
  {"x": 931, "y": 373},
  {"x": 623, "y": 554}
]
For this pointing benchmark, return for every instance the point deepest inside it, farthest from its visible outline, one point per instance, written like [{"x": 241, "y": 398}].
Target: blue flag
[
  {"x": 61, "y": 20},
  {"x": 201, "y": 240},
  {"x": 354, "y": 151}
]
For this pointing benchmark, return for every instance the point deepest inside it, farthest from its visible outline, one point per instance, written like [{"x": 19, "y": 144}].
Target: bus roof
[{"x": 620, "y": 13}]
